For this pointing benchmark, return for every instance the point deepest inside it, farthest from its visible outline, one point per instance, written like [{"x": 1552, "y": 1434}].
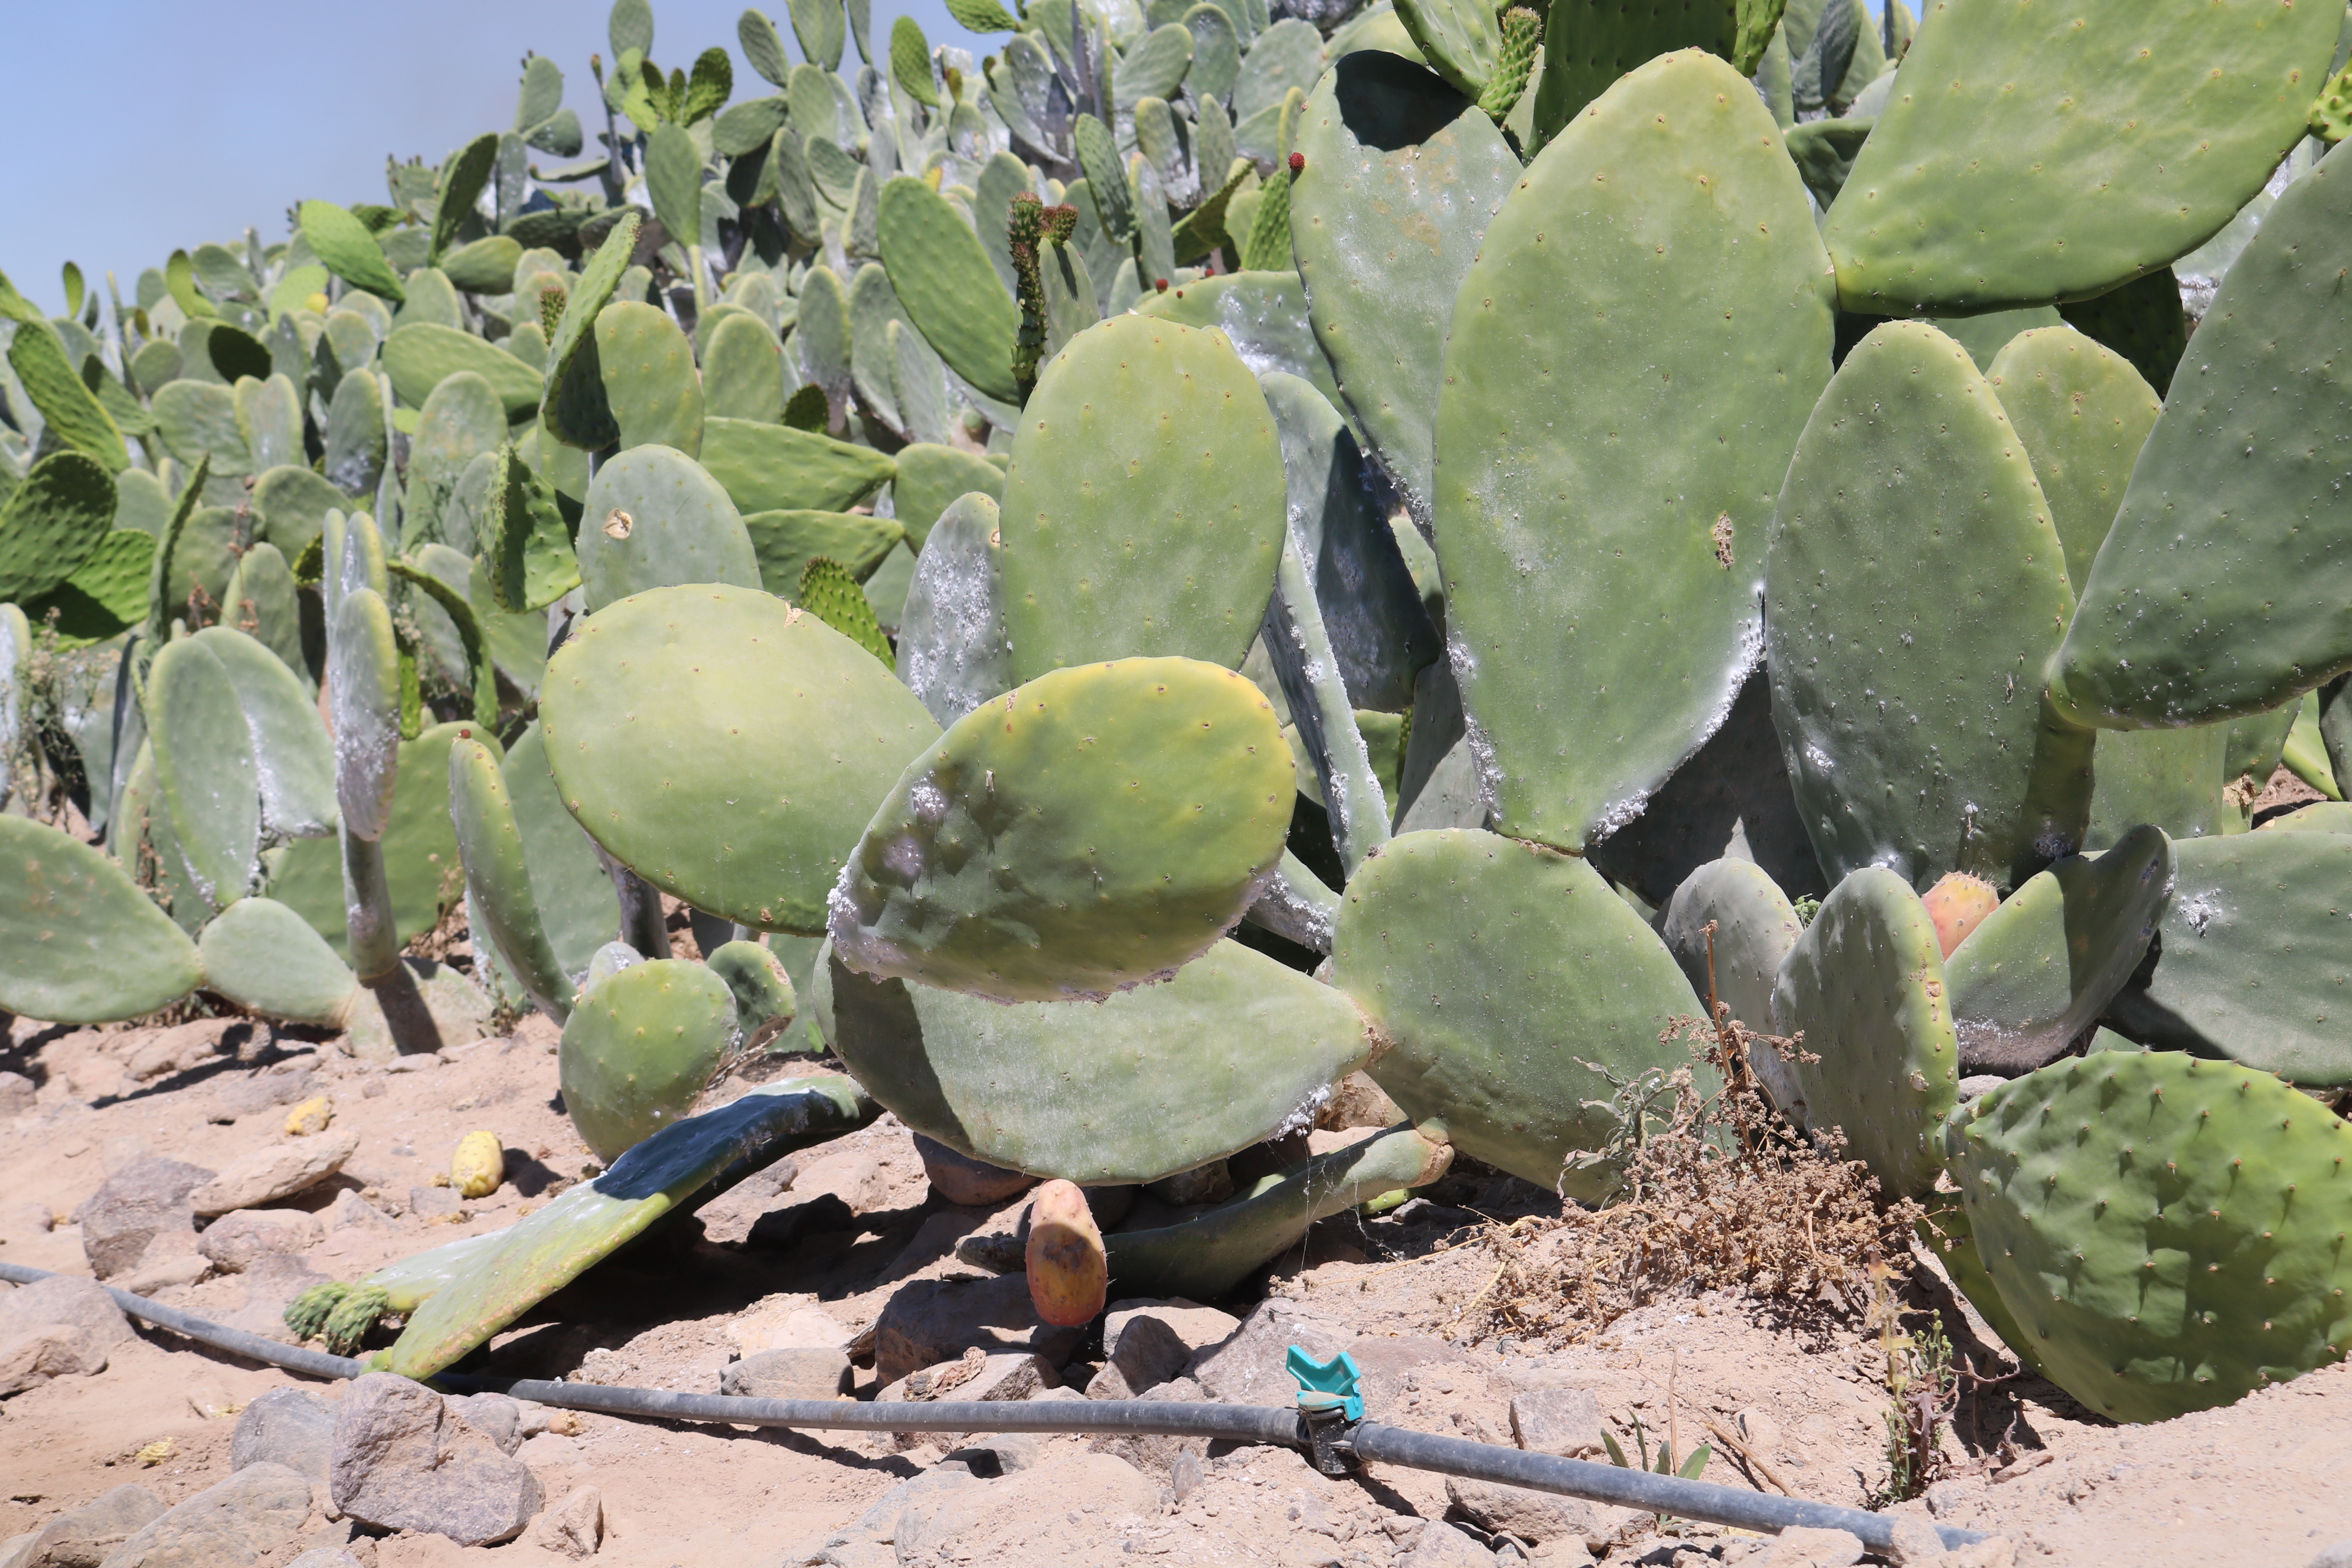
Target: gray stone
[
  {"x": 235, "y": 1241},
  {"x": 288, "y": 1426},
  {"x": 134, "y": 1206},
  {"x": 574, "y": 1526},
  {"x": 968, "y": 1182},
  {"x": 16, "y": 1094},
  {"x": 2337, "y": 1556},
  {"x": 1442, "y": 1546},
  {"x": 1252, "y": 1367},
  {"x": 351, "y": 1209},
  {"x": 1013, "y": 1375},
  {"x": 933, "y": 1320},
  {"x": 930, "y": 1523},
  {"x": 327, "y": 1557},
  {"x": 44, "y": 1353},
  {"x": 808, "y": 1371},
  {"x": 1152, "y": 1340},
  {"x": 1916, "y": 1544},
  {"x": 1561, "y": 1421},
  {"x": 257, "y": 1510},
  {"x": 85, "y": 1536},
  {"x": 179, "y": 1049},
  {"x": 161, "y": 1272},
  {"x": 271, "y": 1282},
  {"x": 405, "y": 1460},
  {"x": 274, "y": 1171},
  {"x": 263, "y": 1091},
  {"x": 1516, "y": 1510},
  {"x": 494, "y": 1414},
  {"x": 1156, "y": 1453},
  {"x": 432, "y": 1202},
  {"x": 69, "y": 1299},
  {"x": 1802, "y": 1548}
]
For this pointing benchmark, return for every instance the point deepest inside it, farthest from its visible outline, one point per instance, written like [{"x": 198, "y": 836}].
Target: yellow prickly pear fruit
[
  {"x": 479, "y": 1165},
  {"x": 1958, "y": 904},
  {"x": 312, "y": 1116},
  {"x": 1069, "y": 1273}
]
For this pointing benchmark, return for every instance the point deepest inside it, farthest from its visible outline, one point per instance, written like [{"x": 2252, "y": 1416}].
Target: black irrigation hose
[{"x": 1236, "y": 1423}]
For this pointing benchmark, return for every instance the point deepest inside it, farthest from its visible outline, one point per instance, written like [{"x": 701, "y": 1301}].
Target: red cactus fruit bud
[
  {"x": 1298, "y": 163},
  {"x": 1160, "y": 284}
]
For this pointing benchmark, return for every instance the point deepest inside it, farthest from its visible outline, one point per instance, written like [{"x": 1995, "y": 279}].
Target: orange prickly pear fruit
[
  {"x": 1958, "y": 904},
  {"x": 1069, "y": 1273}
]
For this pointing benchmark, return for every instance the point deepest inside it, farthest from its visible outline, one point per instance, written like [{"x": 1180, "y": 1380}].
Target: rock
[
  {"x": 1011, "y": 1375},
  {"x": 1156, "y": 1453},
  {"x": 1109, "y": 1382},
  {"x": 288, "y": 1426},
  {"x": 351, "y": 1209},
  {"x": 405, "y": 1460},
  {"x": 432, "y": 1202},
  {"x": 309, "y": 1117},
  {"x": 1802, "y": 1548},
  {"x": 575, "y": 1526},
  {"x": 270, "y": 1281},
  {"x": 163, "y": 1273},
  {"x": 930, "y": 1522},
  {"x": 801, "y": 1328},
  {"x": 2000, "y": 1552},
  {"x": 327, "y": 1557},
  {"x": 2337, "y": 1556},
  {"x": 262, "y": 1091},
  {"x": 1442, "y": 1546},
  {"x": 277, "y": 1171},
  {"x": 237, "y": 1239},
  {"x": 84, "y": 1537},
  {"x": 968, "y": 1182},
  {"x": 806, "y": 1372},
  {"x": 16, "y": 1094},
  {"x": 134, "y": 1206},
  {"x": 1563, "y": 1554},
  {"x": 1561, "y": 1421},
  {"x": 1518, "y": 1510},
  {"x": 998, "y": 1251},
  {"x": 1150, "y": 1341},
  {"x": 933, "y": 1320},
  {"x": 45, "y": 1352},
  {"x": 1357, "y": 1101},
  {"x": 1917, "y": 1543},
  {"x": 67, "y": 1300},
  {"x": 1252, "y": 1366},
  {"x": 180, "y": 1048},
  {"x": 856, "y": 1179},
  {"x": 494, "y": 1414},
  {"x": 256, "y": 1511}
]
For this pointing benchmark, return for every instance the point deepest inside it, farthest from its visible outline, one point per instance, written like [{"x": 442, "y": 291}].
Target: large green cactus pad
[
  {"x": 498, "y": 876},
  {"x": 2254, "y": 957},
  {"x": 655, "y": 519},
  {"x": 639, "y": 1046},
  {"x": 1590, "y": 44},
  {"x": 577, "y": 905},
  {"x": 1093, "y": 829},
  {"x": 1656, "y": 270},
  {"x": 265, "y": 957},
  {"x": 80, "y": 943},
  {"x": 2168, "y": 1232},
  {"x": 943, "y": 279},
  {"x": 421, "y": 354},
  {"x": 952, "y": 632},
  {"x": 773, "y": 468},
  {"x": 2225, "y": 586},
  {"x": 1402, "y": 176},
  {"x": 2084, "y": 414},
  {"x": 1865, "y": 985},
  {"x": 1154, "y": 1080},
  {"x": 53, "y": 522},
  {"x": 2032, "y": 154},
  {"x": 2036, "y": 974},
  {"x": 1143, "y": 511},
  {"x": 752, "y": 749},
  {"x": 1913, "y": 590},
  {"x": 541, "y": 1254},
  {"x": 1493, "y": 973}
]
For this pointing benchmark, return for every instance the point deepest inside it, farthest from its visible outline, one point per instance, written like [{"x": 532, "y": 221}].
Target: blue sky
[{"x": 165, "y": 125}]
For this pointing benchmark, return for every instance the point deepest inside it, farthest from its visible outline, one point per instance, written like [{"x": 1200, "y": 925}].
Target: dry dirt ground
[{"x": 2260, "y": 1483}]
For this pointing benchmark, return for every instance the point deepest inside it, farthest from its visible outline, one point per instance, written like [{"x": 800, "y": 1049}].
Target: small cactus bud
[
  {"x": 1159, "y": 285},
  {"x": 1958, "y": 904},
  {"x": 1298, "y": 163},
  {"x": 1069, "y": 1273}
]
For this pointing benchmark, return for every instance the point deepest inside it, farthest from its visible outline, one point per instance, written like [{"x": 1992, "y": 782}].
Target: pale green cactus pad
[
  {"x": 265, "y": 957},
  {"x": 639, "y": 1046},
  {"x": 498, "y": 876},
  {"x": 2167, "y": 1232},
  {"x": 655, "y": 518},
  {"x": 1493, "y": 973},
  {"x": 80, "y": 943},
  {"x": 1091, "y": 830}
]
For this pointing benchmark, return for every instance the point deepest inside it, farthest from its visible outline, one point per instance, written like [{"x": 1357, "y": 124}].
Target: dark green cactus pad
[
  {"x": 1402, "y": 176},
  {"x": 2141, "y": 321},
  {"x": 1755, "y": 927},
  {"x": 1493, "y": 973},
  {"x": 107, "y": 593},
  {"x": 1663, "y": 246},
  {"x": 80, "y": 943},
  {"x": 1590, "y": 44},
  {"x": 773, "y": 468},
  {"x": 462, "y": 419},
  {"x": 484, "y": 267},
  {"x": 73, "y": 417},
  {"x": 2038, "y": 972},
  {"x": 2255, "y": 744},
  {"x": 764, "y": 999},
  {"x": 54, "y": 521},
  {"x": 785, "y": 542},
  {"x": 577, "y": 906},
  {"x": 731, "y": 809},
  {"x": 1462, "y": 43},
  {"x": 573, "y": 409},
  {"x": 2084, "y": 414},
  {"x": 1205, "y": 1257},
  {"x": 1915, "y": 588},
  {"x": 930, "y": 478},
  {"x": 1865, "y": 987},
  {"x": 655, "y": 518},
  {"x": 2168, "y": 1232},
  {"x": 951, "y": 650},
  {"x": 522, "y": 547},
  {"x": 2254, "y": 957},
  {"x": 419, "y": 356},
  {"x": 1157, "y": 1080},
  {"x": 650, "y": 382},
  {"x": 2036, "y": 172},
  {"x": 1947, "y": 1232},
  {"x": 2320, "y": 816},
  {"x": 498, "y": 875},
  {"x": 1145, "y": 800},
  {"x": 743, "y": 371},
  {"x": 354, "y": 433},
  {"x": 270, "y": 417},
  {"x": 349, "y": 251},
  {"x": 827, "y": 591},
  {"x": 948, "y": 287},
  {"x": 289, "y": 509},
  {"x": 2225, "y": 586},
  {"x": 638, "y": 1049},
  {"x": 265, "y": 957},
  {"x": 499, "y": 1278},
  {"x": 1143, "y": 511}
]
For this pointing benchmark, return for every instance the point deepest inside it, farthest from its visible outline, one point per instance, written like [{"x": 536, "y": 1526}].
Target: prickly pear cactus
[
  {"x": 1754, "y": 928},
  {"x": 80, "y": 943},
  {"x": 2167, "y": 1232},
  {"x": 1144, "y": 800},
  {"x": 638, "y": 1048}
]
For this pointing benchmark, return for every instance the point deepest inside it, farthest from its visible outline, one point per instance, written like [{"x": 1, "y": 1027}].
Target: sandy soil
[{"x": 2257, "y": 1483}]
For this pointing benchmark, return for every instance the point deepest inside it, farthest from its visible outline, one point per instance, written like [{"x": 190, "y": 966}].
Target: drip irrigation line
[{"x": 1324, "y": 1439}]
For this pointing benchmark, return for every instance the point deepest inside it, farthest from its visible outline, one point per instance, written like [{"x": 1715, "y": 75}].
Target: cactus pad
[
  {"x": 753, "y": 748},
  {"x": 498, "y": 876},
  {"x": 951, "y": 647},
  {"x": 2168, "y": 1232},
  {"x": 947, "y": 286},
  {"x": 639, "y": 1048},
  {"x": 655, "y": 519},
  {"x": 773, "y": 468},
  {"x": 1865, "y": 987},
  {"x": 423, "y": 355},
  {"x": 650, "y": 382},
  {"x": 53, "y": 522},
  {"x": 1755, "y": 927},
  {"x": 572, "y": 408},
  {"x": 80, "y": 943},
  {"x": 2084, "y": 414},
  {"x": 1093, "y": 829},
  {"x": 265, "y": 957}
]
